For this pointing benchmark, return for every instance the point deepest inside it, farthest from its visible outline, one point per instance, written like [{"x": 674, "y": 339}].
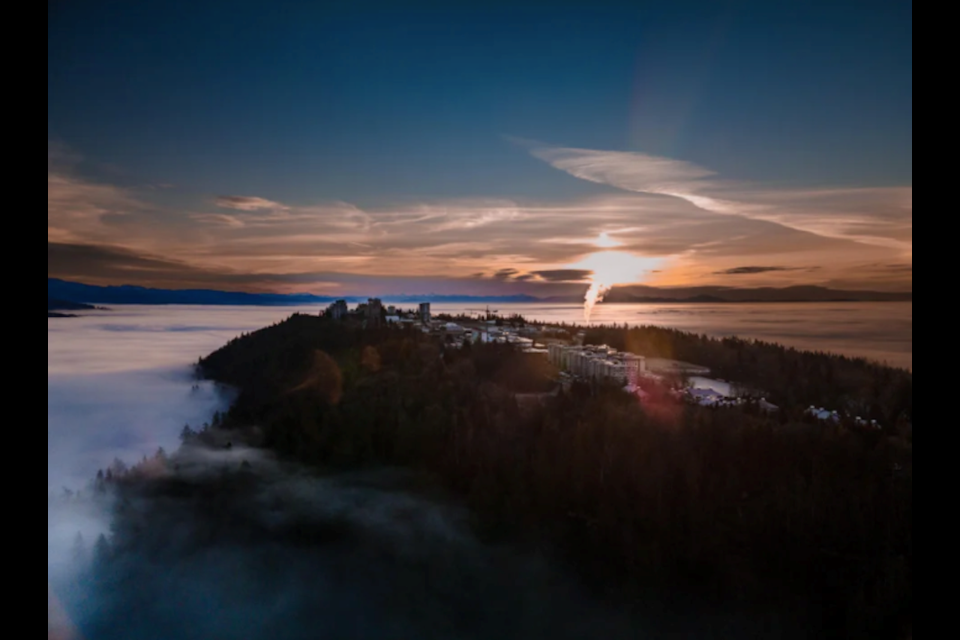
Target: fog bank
[{"x": 232, "y": 544}]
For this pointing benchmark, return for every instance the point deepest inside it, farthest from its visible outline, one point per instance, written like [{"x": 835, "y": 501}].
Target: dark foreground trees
[{"x": 718, "y": 505}]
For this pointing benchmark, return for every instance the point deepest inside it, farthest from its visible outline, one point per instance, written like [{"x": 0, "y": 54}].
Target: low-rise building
[
  {"x": 453, "y": 328},
  {"x": 596, "y": 362},
  {"x": 338, "y": 310}
]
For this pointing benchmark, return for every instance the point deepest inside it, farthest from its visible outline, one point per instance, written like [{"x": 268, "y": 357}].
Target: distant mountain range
[
  {"x": 642, "y": 294},
  {"x": 62, "y": 291},
  {"x": 129, "y": 294}
]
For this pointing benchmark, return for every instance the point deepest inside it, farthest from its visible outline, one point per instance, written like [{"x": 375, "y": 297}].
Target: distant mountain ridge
[
  {"x": 130, "y": 294},
  {"x": 807, "y": 293},
  {"x": 64, "y": 290}
]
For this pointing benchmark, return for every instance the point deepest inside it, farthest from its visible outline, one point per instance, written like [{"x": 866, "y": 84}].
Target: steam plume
[{"x": 594, "y": 295}]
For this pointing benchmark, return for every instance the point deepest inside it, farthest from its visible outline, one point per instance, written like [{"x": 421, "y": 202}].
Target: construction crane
[{"x": 486, "y": 313}]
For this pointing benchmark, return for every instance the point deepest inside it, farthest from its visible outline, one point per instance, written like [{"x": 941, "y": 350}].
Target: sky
[{"x": 492, "y": 148}]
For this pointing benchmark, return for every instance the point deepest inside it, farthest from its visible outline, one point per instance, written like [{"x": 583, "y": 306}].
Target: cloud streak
[
  {"x": 736, "y": 271},
  {"x": 564, "y": 275},
  {"x": 248, "y": 203},
  {"x": 875, "y": 216}
]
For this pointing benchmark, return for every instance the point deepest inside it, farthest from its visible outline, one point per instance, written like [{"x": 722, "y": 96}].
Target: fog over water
[
  {"x": 119, "y": 381},
  {"x": 393, "y": 565}
]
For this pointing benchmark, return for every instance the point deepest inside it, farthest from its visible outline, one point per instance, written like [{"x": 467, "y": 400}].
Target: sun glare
[
  {"x": 604, "y": 241},
  {"x": 617, "y": 267},
  {"x": 610, "y": 268}
]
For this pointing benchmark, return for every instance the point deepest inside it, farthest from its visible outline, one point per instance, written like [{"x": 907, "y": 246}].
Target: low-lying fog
[
  {"x": 119, "y": 385},
  {"x": 119, "y": 382},
  {"x": 389, "y": 564},
  {"x": 274, "y": 552},
  {"x": 231, "y": 544}
]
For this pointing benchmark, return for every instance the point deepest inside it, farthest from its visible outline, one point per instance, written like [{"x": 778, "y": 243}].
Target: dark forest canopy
[
  {"x": 711, "y": 503},
  {"x": 788, "y": 377}
]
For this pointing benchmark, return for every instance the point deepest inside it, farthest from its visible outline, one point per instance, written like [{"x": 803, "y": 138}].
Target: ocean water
[{"x": 881, "y": 331}]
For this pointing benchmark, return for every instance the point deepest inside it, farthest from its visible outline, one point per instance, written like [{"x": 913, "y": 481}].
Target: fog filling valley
[{"x": 230, "y": 543}]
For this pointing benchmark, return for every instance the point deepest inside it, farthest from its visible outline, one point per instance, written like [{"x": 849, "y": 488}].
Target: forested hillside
[{"x": 712, "y": 503}]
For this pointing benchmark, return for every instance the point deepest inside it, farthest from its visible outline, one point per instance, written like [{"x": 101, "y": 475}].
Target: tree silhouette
[
  {"x": 79, "y": 550},
  {"x": 101, "y": 550},
  {"x": 716, "y": 500}
]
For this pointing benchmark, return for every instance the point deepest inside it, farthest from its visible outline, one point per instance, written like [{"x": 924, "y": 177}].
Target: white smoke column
[{"x": 594, "y": 295}]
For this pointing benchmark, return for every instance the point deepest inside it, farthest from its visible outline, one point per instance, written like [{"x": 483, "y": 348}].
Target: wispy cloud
[
  {"x": 505, "y": 274},
  {"x": 877, "y": 216},
  {"x": 564, "y": 275},
  {"x": 219, "y": 219},
  {"x": 248, "y": 203},
  {"x": 901, "y": 267},
  {"x": 735, "y": 271},
  {"x": 77, "y": 207}
]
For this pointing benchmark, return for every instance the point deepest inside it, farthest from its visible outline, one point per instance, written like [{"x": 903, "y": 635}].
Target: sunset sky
[{"x": 357, "y": 149}]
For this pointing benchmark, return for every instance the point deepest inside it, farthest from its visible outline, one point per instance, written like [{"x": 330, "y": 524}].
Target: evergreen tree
[
  {"x": 79, "y": 551},
  {"x": 101, "y": 550},
  {"x": 119, "y": 467}
]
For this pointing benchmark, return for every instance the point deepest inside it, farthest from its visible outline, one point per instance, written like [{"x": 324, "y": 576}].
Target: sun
[
  {"x": 617, "y": 267},
  {"x": 604, "y": 241},
  {"x": 609, "y": 268}
]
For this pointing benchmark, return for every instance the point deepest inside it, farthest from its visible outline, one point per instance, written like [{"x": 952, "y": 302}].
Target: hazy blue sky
[{"x": 442, "y": 140}]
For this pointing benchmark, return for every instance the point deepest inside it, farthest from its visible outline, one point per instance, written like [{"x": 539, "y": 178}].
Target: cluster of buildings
[
  {"x": 374, "y": 314},
  {"x": 600, "y": 362},
  {"x": 480, "y": 331},
  {"x": 835, "y": 417},
  {"x": 822, "y": 414},
  {"x": 710, "y": 397},
  {"x": 708, "y": 392},
  {"x": 597, "y": 362},
  {"x": 577, "y": 361}
]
